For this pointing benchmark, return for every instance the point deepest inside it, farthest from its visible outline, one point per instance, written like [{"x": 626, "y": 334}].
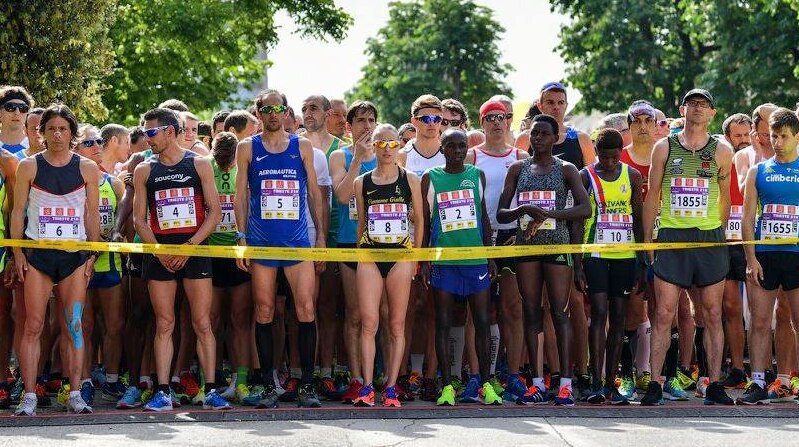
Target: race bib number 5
[
  {"x": 779, "y": 221},
  {"x": 175, "y": 208},
  {"x": 689, "y": 196},
  {"x": 280, "y": 199},
  {"x": 542, "y": 199},
  {"x": 388, "y": 222},
  {"x": 59, "y": 222},
  {"x": 456, "y": 210}
]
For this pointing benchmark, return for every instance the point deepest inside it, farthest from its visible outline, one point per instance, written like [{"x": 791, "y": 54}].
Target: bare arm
[
  {"x": 724, "y": 161},
  {"x": 91, "y": 176},
  {"x": 504, "y": 213},
  {"x": 578, "y": 229},
  {"x": 587, "y": 148},
  {"x": 361, "y": 209},
  {"x": 314, "y": 196},
  {"x": 582, "y": 208},
  {"x": 637, "y": 203},
  {"x": 211, "y": 197},
  {"x": 750, "y": 212},
  {"x": 417, "y": 210},
  {"x": 9, "y": 167},
  {"x": 241, "y": 203},
  {"x": 140, "y": 204},
  {"x": 656, "y": 171},
  {"x": 125, "y": 208},
  {"x": 742, "y": 165},
  {"x": 427, "y": 221},
  {"x": 26, "y": 171}
]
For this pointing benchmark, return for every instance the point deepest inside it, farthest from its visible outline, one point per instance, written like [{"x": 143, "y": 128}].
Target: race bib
[
  {"x": 280, "y": 199},
  {"x": 542, "y": 199},
  {"x": 106, "y": 217},
  {"x": 59, "y": 222},
  {"x": 569, "y": 200},
  {"x": 657, "y": 227},
  {"x": 614, "y": 229},
  {"x": 456, "y": 210},
  {"x": 689, "y": 197},
  {"x": 228, "y": 222},
  {"x": 779, "y": 221},
  {"x": 733, "y": 232},
  {"x": 388, "y": 222},
  {"x": 353, "y": 209},
  {"x": 175, "y": 208}
]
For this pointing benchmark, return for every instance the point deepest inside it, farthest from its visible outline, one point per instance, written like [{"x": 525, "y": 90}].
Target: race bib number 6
[{"x": 59, "y": 222}]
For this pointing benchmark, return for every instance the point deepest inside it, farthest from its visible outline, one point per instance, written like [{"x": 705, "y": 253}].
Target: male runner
[
  {"x": 115, "y": 147},
  {"x": 336, "y": 119}
]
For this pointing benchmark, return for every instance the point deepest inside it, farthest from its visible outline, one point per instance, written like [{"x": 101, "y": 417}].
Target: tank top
[
  {"x": 387, "y": 208},
  {"x": 175, "y": 200},
  {"x": 627, "y": 159},
  {"x": 147, "y": 153},
  {"x": 778, "y": 204},
  {"x": 690, "y": 190},
  {"x": 418, "y": 163},
  {"x": 278, "y": 187},
  {"x": 108, "y": 206},
  {"x": 57, "y": 201},
  {"x": 570, "y": 149},
  {"x": 332, "y": 232},
  {"x": 546, "y": 191},
  {"x": 225, "y": 232},
  {"x": 733, "y": 232},
  {"x": 456, "y": 218},
  {"x": 495, "y": 168},
  {"x": 348, "y": 212},
  {"x": 611, "y": 220}
]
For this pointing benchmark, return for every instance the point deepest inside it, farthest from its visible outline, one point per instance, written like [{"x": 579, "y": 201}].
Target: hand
[
  {"x": 10, "y": 274},
  {"x": 319, "y": 266},
  {"x": 532, "y": 228},
  {"x": 649, "y": 277},
  {"x": 178, "y": 262},
  {"x": 755, "y": 142},
  {"x": 242, "y": 263},
  {"x": 641, "y": 284},
  {"x": 492, "y": 269},
  {"x": 424, "y": 274},
  {"x": 20, "y": 266},
  {"x": 166, "y": 261},
  {"x": 88, "y": 268},
  {"x": 579, "y": 279},
  {"x": 117, "y": 237},
  {"x": 754, "y": 272},
  {"x": 362, "y": 146},
  {"x": 536, "y": 212}
]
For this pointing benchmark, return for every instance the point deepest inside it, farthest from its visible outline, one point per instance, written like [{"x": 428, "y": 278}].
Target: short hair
[
  {"x": 219, "y": 117},
  {"x": 503, "y": 99},
  {"x": 259, "y": 100},
  {"x": 738, "y": 118},
  {"x": 783, "y": 117},
  {"x": 164, "y": 117},
  {"x": 9, "y": 92},
  {"x": 426, "y": 102},
  {"x": 360, "y": 107},
  {"x": 385, "y": 127},
  {"x": 609, "y": 138},
  {"x": 113, "y": 130},
  {"x": 174, "y": 104},
  {"x": 454, "y": 106},
  {"x": 83, "y": 129},
  {"x": 224, "y": 140},
  {"x": 544, "y": 118},
  {"x": 406, "y": 127},
  {"x": 639, "y": 103},
  {"x": 32, "y": 112},
  {"x": 203, "y": 129},
  {"x": 326, "y": 105},
  {"x": 238, "y": 119},
  {"x": 532, "y": 111},
  {"x": 136, "y": 133},
  {"x": 757, "y": 115},
  {"x": 616, "y": 121},
  {"x": 62, "y": 111},
  {"x": 449, "y": 133},
  {"x": 188, "y": 115},
  {"x": 337, "y": 101}
]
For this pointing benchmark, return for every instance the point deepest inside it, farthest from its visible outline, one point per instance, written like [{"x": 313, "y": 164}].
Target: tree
[
  {"x": 444, "y": 47},
  {"x": 618, "y": 51},
  {"x": 58, "y": 51}
]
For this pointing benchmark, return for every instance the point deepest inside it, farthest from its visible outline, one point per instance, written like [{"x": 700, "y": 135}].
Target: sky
[{"x": 338, "y": 64}]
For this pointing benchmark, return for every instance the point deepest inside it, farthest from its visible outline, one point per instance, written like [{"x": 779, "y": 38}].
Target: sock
[
  {"x": 759, "y": 377},
  {"x": 642, "y": 348},
  {"x": 493, "y": 347},
  {"x": 147, "y": 380},
  {"x": 175, "y": 379},
  {"x": 325, "y": 373},
  {"x": 112, "y": 378},
  {"x": 785, "y": 379},
  {"x": 417, "y": 361},
  {"x": 71, "y": 394},
  {"x": 265, "y": 348},
  {"x": 699, "y": 347},
  {"x": 210, "y": 386},
  {"x": 295, "y": 373},
  {"x": 539, "y": 382},
  {"x": 566, "y": 381},
  {"x": 457, "y": 340},
  {"x": 672, "y": 355},
  {"x": 627, "y": 354},
  {"x": 307, "y": 345},
  {"x": 241, "y": 376},
  {"x": 275, "y": 378},
  {"x": 164, "y": 388}
]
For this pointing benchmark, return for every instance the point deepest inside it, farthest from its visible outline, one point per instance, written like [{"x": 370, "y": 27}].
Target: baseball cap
[
  {"x": 556, "y": 86},
  {"x": 640, "y": 108},
  {"x": 698, "y": 92},
  {"x": 492, "y": 106}
]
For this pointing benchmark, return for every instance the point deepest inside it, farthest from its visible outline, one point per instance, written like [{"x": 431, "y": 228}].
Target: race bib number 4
[
  {"x": 456, "y": 210},
  {"x": 228, "y": 222},
  {"x": 779, "y": 221},
  {"x": 689, "y": 197},
  {"x": 175, "y": 208},
  {"x": 614, "y": 228},
  {"x": 542, "y": 199},
  {"x": 388, "y": 222},
  {"x": 59, "y": 222},
  {"x": 733, "y": 232},
  {"x": 280, "y": 199}
]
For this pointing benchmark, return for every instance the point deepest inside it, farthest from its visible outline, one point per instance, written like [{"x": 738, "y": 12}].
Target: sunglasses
[
  {"x": 453, "y": 123},
  {"x": 12, "y": 106},
  {"x": 151, "y": 133},
  {"x": 387, "y": 144},
  {"x": 266, "y": 110},
  {"x": 495, "y": 117},
  {"x": 429, "y": 119},
  {"x": 90, "y": 143},
  {"x": 509, "y": 116},
  {"x": 663, "y": 123}
]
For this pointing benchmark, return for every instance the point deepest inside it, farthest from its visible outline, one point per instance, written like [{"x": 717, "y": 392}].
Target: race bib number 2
[
  {"x": 280, "y": 199},
  {"x": 175, "y": 208},
  {"x": 779, "y": 221},
  {"x": 456, "y": 210},
  {"x": 542, "y": 199}
]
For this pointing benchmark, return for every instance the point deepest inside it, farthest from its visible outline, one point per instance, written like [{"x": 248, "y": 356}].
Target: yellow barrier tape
[{"x": 370, "y": 254}]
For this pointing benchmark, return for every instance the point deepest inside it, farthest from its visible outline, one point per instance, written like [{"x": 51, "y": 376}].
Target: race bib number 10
[
  {"x": 542, "y": 199},
  {"x": 280, "y": 199},
  {"x": 175, "y": 208},
  {"x": 614, "y": 228}
]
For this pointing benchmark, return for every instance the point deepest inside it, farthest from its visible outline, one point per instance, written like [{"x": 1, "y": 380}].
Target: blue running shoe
[
  {"x": 534, "y": 395},
  {"x": 672, "y": 390},
  {"x": 87, "y": 393},
  {"x": 131, "y": 399},
  {"x": 515, "y": 389},
  {"x": 565, "y": 397},
  {"x": 471, "y": 394},
  {"x": 160, "y": 402},
  {"x": 98, "y": 376},
  {"x": 213, "y": 401},
  {"x": 615, "y": 397},
  {"x": 112, "y": 392}
]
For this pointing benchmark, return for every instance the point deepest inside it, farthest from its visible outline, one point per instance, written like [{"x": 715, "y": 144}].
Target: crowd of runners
[{"x": 160, "y": 331}]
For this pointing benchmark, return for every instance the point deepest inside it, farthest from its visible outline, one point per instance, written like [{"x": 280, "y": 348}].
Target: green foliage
[
  {"x": 444, "y": 47},
  {"x": 744, "y": 52}
]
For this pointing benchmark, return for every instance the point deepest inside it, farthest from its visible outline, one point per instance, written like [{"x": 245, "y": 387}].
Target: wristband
[{"x": 240, "y": 235}]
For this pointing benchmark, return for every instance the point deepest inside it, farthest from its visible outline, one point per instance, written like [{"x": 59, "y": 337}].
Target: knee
[
  {"x": 397, "y": 328},
  {"x": 599, "y": 313},
  {"x": 304, "y": 310},
  {"x": 712, "y": 316},
  {"x": 761, "y": 323},
  {"x": 369, "y": 326},
  {"x": 732, "y": 308},
  {"x": 114, "y": 326},
  {"x": 34, "y": 325},
  {"x": 202, "y": 326},
  {"x": 164, "y": 326},
  {"x": 353, "y": 317},
  {"x": 534, "y": 321},
  {"x": 266, "y": 312},
  {"x": 663, "y": 316},
  {"x": 559, "y": 316}
]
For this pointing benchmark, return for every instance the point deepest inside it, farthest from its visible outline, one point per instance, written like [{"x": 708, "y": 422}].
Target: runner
[
  {"x": 691, "y": 170},
  {"x": 218, "y": 122},
  {"x": 407, "y": 133},
  {"x": 52, "y": 190},
  {"x": 454, "y": 115},
  {"x": 242, "y": 124},
  {"x": 540, "y": 185},
  {"x": 189, "y": 139},
  {"x": 280, "y": 178},
  {"x": 336, "y": 119},
  {"x": 15, "y": 103},
  {"x": 389, "y": 201},
  {"x": 170, "y": 206},
  {"x": 771, "y": 195},
  {"x": 115, "y": 148},
  {"x": 8, "y": 169},
  {"x": 454, "y": 219}
]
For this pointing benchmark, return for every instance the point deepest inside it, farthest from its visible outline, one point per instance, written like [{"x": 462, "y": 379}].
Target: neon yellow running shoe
[
  {"x": 488, "y": 396},
  {"x": 498, "y": 388},
  {"x": 199, "y": 399},
  {"x": 242, "y": 391},
  {"x": 642, "y": 381},
  {"x": 447, "y": 396},
  {"x": 63, "y": 395}
]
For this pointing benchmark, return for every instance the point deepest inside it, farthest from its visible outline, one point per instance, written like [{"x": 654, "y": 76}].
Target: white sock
[
  {"x": 112, "y": 378},
  {"x": 566, "y": 381},
  {"x": 539, "y": 382},
  {"x": 457, "y": 340},
  {"x": 642, "y": 349},
  {"x": 785, "y": 379},
  {"x": 275, "y": 378},
  {"x": 325, "y": 372},
  {"x": 233, "y": 378},
  {"x": 175, "y": 379},
  {"x": 147, "y": 380},
  {"x": 417, "y": 360},
  {"x": 493, "y": 347}
]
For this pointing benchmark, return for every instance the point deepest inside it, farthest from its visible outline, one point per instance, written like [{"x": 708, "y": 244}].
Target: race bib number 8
[
  {"x": 542, "y": 199},
  {"x": 175, "y": 208},
  {"x": 689, "y": 197},
  {"x": 280, "y": 199},
  {"x": 228, "y": 222},
  {"x": 59, "y": 223},
  {"x": 779, "y": 221},
  {"x": 733, "y": 232},
  {"x": 456, "y": 210},
  {"x": 614, "y": 228},
  {"x": 388, "y": 222}
]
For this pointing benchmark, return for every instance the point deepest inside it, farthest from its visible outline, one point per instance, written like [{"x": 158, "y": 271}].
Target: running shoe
[
  {"x": 403, "y": 394},
  {"x": 532, "y": 396},
  {"x": 653, "y": 396},
  {"x": 180, "y": 393},
  {"x": 41, "y": 394},
  {"x": 77, "y": 404},
  {"x": 695, "y": 372},
  {"x": 778, "y": 392},
  {"x": 597, "y": 397},
  {"x": 497, "y": 384},
  {"x": 214, "y": 401},
  {"x": 159, "y": 402},
  {"x": 242, "y": 391},
  {"x": 736, "y": 379},
  {"x": 5, "y": 396},
  {"x": 146, "y": 392},
  {"x": 457, "y": 385},
  {"x": 627, "y": 388},
  {"x": 98, "y": 377},
  {"x": 53, "y": 385},
  {"x": 307, "y": 397},
  {"x": 615, "y": 397},
  {"x": 352, "y": 393},
  {"x": 87, "y": 392},
  {"x": 489, "y": 396},
  {"x": 715, "y": 395},
  {"x": 291, "y": 386},
  {"x": 565, "y": 396},
  {"x": 229, "y": 393},
  {"x": 27, "y": 406},
  {"x": 582, "y": 386},
  {"x": 642, "y": 381},
  {"x": 131, "y": 399},
  {"x": 754, "y": 395},
  {"x": 390, "y": 397},
  {"x": 414, "y": 383},
  {"x": 685, "y": 380},
  {"x": 701, "y": 386},
  {"x": 63, "y": 395},
  {"x": 553, "y": 386},
  {"x": 328, "y": 390},
  {"x": 794, "y": 383},
  {"x": 17, "y": 391},
  {"x": 429, "y": 391},
  {"x": 379, "y": 382},
  {"x": 447, "y": 396},
  {"x": 672, "y": 390},
  {"x": 189, "y": 384},
  {"x": 516, "y": 388},
  {"x": 366, "y": 397},
  {"x": 342, "y": 380},
  {"x": 471, "y": 394},
  {"x": 175, "y": 399},
  {"x": 112, "y": 392}
]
